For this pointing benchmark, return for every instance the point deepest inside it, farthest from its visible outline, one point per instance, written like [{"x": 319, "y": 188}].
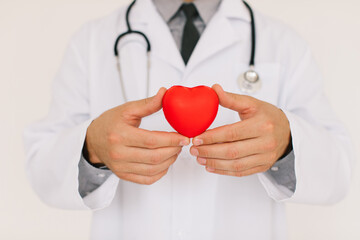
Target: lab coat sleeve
[
  {"x": 54, "y": 145},
  {"x": 322, "y": 148}
]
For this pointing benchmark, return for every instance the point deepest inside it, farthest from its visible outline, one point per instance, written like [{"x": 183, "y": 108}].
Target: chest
[{"x": 213, "y": 61}]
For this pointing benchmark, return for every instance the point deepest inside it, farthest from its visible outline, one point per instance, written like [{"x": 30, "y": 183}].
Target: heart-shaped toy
[{"x": 190, "y": 111}]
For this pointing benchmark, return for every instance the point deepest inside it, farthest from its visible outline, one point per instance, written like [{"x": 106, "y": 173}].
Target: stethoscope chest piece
[{"x": 249, "y": 82}]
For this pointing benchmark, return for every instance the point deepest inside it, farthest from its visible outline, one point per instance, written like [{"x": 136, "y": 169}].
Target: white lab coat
[{"x": 188, "y": 203}]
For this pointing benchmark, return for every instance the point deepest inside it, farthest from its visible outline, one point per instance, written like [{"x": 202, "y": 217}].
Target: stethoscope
[{"x": 249, "y": 81}]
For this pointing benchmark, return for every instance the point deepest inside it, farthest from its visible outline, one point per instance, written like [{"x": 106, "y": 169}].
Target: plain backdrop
[{"x": 33, "y": 36}]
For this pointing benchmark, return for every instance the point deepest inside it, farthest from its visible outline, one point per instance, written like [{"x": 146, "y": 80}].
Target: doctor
[{"x": 106, "y": 146}]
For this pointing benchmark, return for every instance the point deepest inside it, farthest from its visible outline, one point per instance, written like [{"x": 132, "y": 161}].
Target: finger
[
  {"x": 147, "y": 106},
  {"x": 240, "y": 103},
  {"x": 242, "y": 130},
  {"x": 258, "y": 169},
  {"x": 145, "y": 180},
  {"x": 237, "y": 165},
  {"x": 230, "y": 151},
  {"x": 137, "y": 137},
  {"x": 143, "y": 155},
  {"x": 147, "y": 169}
]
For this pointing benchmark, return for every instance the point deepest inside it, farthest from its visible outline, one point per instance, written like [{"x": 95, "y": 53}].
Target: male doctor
[{"x": 101, "y": 150}]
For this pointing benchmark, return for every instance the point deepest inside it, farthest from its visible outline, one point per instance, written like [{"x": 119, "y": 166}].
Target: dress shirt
[{"x": 283, "y": 171}]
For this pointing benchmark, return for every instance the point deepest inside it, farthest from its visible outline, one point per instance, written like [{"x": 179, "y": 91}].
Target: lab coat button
[
  {"x": 101, "y": 175},
  {"x": 274, "y": 169}
]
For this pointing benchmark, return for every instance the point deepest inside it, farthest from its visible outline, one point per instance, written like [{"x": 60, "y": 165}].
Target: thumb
[
  {"x": 236, "y": 102},
  {"x": 148, "y": 106}
]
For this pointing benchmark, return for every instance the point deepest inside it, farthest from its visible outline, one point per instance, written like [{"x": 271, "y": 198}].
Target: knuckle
[
  {"x": 161, "y": 173},
  {"x": 126, "y": 112},
  {"x": 146, "y": 101},
  {"x": 150, "y": 142},
  {"x": 172, "y": 160},
  {"x": 271, "y": 144},
  {"x": 231, "y": 134},
  {"x": 239, "y": 174},
  {"x": 237, "y": 166},
  {"x": 112, "y": 138},
  {"x": 210, "y": 138},
  {"x": 148, "y": 181},
  {"x": 150, "y": 170},
  {"x": 114, "y": 155},
  {"x": 124, "y": 135},
  {"x": 117, "y": 169},
  {"x": 121, "y": 175},
  {"x": 273, "y": 156},
  {"x": 211, "y": 163},
  {"x": 269, "y": 126},
  {"x": 203, "y": 151},
  {"x": 173, "y": 140},
  {"x": 232, "y": 152},
  {"x": 155, "y": 158}
]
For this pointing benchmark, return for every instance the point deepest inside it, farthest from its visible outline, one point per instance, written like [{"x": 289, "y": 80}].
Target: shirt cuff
[
  {"x": 90, "y": 178},
  {"x": 283, "y": 172}
]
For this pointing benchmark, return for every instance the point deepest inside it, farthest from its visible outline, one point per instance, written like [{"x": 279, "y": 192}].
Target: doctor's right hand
[{"x": 133, "y": 154}]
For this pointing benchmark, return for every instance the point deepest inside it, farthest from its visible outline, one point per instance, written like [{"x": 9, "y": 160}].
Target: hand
[
  {"x": 133, "y": 154},
  {"x": 247, "y": 147}
]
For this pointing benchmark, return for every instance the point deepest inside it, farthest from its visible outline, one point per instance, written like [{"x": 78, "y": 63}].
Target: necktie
[{"x": 190, "y": 35}]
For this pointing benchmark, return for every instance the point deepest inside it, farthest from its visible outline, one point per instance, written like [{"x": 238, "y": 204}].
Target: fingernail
[
  {"x": 198, "y": 142},
  {"x": 202, "y": 161},
  {"x": 194, "y": 152},
  {"x": 210, "y": 169},
  {"x": 184, "y": 143}
]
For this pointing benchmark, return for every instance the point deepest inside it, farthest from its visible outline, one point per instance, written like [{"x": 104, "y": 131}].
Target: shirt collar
[{"x": 168, "y": 8}]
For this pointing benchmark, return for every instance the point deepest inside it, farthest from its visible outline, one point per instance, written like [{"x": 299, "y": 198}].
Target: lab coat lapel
[
  {"x": 162, "y": 42},
  {"x": 219, "y": 34},
  {"x": 145, "y": 18}
]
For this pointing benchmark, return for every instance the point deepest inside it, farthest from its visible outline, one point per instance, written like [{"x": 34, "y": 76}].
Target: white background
[{"x": 33, "y": 36}]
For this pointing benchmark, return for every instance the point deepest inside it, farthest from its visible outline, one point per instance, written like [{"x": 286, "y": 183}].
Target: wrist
[
  {"x": 93, "y": 161},
  {"x": 89, "y": 154},
  {"x": 288, "y": 149}
]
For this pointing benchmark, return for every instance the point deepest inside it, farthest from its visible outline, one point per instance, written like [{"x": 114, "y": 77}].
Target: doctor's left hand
[{"x": 249, "y": 146}]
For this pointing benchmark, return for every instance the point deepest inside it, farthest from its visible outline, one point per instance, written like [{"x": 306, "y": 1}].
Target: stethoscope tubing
[
  {"x": 148, "y": 49},
  {"x": 253, "y": 35},
  {"x": 130, "y": 31}
]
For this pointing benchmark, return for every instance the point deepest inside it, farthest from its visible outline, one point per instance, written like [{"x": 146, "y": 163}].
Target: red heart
[{"x": 190, "y": 111}]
